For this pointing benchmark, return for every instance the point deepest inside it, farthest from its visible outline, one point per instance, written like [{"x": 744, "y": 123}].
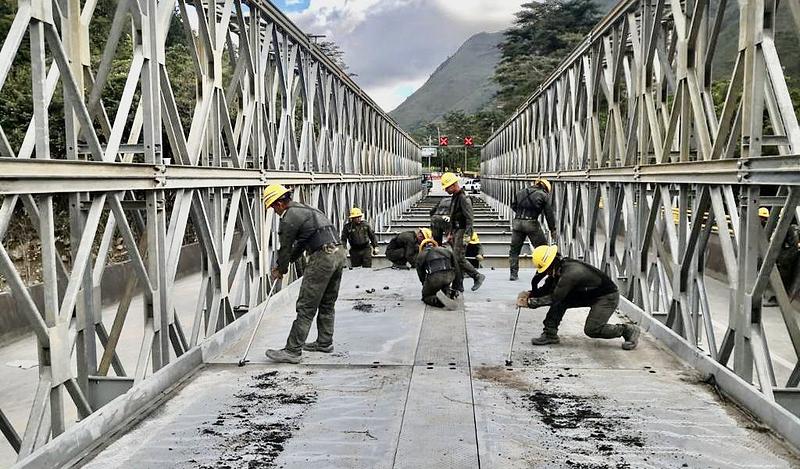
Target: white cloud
[
  {"x": 391, "y": 44},
  {"x": 391, "y": 95}
]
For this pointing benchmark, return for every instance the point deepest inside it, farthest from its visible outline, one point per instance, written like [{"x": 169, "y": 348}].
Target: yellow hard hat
[
  {"x": 543, "y": 256},
  {"x": 474, "y": 239},
  {"x": 426, "y": 233},
  {"x": 272, "y": 193},
  {"x": 356, "y": 212},
  {"x": 426, "y": 242},
  {"x": 763, "y": 212},
  {"x": 448, "y": 179},
  {"x": 544, "y": 183}
]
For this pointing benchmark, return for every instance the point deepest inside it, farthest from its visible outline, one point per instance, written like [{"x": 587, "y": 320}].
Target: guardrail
[
  {"x": 629, "y": 117},
  {"x": 150, "y": 176}
]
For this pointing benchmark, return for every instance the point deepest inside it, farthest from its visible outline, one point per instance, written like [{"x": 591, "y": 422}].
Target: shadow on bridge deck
[{"x": 410, "y": 386}]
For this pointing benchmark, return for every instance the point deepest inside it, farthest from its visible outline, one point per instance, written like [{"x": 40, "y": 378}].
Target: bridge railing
[
  {"x": 647, "y": 161},
  {"x": 143, "y": 178}
]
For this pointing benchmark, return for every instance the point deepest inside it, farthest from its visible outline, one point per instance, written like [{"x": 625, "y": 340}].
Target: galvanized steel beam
[
  {"x": 647, "y": 168},
  {"x": 287, "y": 114}
]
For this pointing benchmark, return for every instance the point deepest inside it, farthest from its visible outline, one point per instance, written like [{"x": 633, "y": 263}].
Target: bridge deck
[{"x": 410, "y": 386}]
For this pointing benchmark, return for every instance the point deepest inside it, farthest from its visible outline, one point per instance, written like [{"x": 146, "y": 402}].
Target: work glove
[
  {"x": 522, "y": 298},
  {"x": 375, "y": 251},
  {"x": 479, "y": 257}
]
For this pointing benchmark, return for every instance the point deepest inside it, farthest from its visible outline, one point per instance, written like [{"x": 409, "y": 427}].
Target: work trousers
[
  {"x": 318, "y": 294},
  {"x": 361, "y": 257},
  {"x": 596, "y": 325},
  {"x": 522, "y": 229},
  {"x": 397, "y": 256},
  {"x": 439, "y": 228},
  {"x": 464, "y": 267},
  {"x": 435, "y": 282}
]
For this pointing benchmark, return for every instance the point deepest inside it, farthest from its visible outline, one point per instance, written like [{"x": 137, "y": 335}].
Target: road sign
[
  {"x": 469, "y": 141},
  {"x": 443, "y": 141}
]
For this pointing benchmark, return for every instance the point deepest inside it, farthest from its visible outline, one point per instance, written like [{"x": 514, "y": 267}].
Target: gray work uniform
[
  {"x": 403, "y": 249},
  {"x": 436, "y": 269},
  {"x": 306, "y": 229},
  {"x": 362, "y": 240},
  {"x": 579, "y": 285},
  {"x": 439, "y": 224},
  {"x": 461, "y": 224},
  {"x": 529, "y": 203}
]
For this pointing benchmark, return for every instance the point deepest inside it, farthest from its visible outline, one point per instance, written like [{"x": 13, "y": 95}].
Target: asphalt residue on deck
[{"x": 263, "y": 417}]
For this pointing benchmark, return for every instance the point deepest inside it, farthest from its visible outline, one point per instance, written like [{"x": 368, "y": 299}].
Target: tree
[
  {"x": 334, "y": 52},
  {"x": 542, "y": 36},
  {"x": 457, "y": 125}
]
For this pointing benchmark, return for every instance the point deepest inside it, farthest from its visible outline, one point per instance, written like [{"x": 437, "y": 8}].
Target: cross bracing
[
  {"x": 653, "y": 178},
  {"x": 151, "y": 176}
]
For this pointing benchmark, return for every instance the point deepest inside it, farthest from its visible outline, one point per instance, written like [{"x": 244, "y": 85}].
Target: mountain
[{"x": 462, "y": 82}]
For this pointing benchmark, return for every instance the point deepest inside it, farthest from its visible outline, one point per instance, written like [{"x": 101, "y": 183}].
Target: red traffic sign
[
  {"x": 443, "y": 141},
  {"x": 469, "y": 141}
]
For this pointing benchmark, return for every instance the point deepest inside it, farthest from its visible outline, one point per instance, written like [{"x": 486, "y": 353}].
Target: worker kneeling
[
  {"x": 570, "y": 283},
  {"x": 436, "y": 268}
]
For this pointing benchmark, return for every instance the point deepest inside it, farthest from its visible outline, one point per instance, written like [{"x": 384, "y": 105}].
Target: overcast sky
[{"x": 394, "y": 45}]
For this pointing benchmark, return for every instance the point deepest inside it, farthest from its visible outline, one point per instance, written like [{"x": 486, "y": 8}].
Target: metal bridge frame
[
  {"x": 288, "y": 115},
  {"x": 645, "y": 170}
]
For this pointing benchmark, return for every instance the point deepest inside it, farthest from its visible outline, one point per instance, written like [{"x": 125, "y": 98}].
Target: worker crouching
[
  {"x": 570, "y": 283},
  {"x": 474, "y": 251},
  {"x": 436, "y": 268},
  {"x": 402, "y": 249}
]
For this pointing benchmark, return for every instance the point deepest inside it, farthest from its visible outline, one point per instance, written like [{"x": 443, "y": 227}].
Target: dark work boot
[
  {"x": 316, "y": 347},
  {"x": 478, "y": 281},
  {"x": 448, "y": 303},
  {"x": 546, "y": 338},
  {"x": 631, "y": 336},
  {"x": 282, "y": 356},
  {"x": 514, "y": 276}
]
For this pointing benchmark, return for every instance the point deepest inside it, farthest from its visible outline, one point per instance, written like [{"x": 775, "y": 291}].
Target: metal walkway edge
[{"x": 398, "y": 392}]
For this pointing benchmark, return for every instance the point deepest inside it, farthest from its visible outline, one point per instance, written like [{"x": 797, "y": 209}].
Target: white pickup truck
[{"x": 472, "y": 186}]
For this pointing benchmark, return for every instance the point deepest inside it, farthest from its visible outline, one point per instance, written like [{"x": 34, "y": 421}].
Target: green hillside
[{"x": 461, "y": 83}]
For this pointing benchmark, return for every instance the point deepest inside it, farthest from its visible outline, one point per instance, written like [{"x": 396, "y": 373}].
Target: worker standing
[
  {"x": 528, "y": 204},
  {"x": 306, "y": 229},
  {"x": 570, "y": 283},
  {"x": 362, "y": 240},
  {"x": 461, "y": 228},
  {"x": 436, "y": 269},
  {"x": 402, "y": 249},
  {"x": 474, "y": 251},
  {"x": 440, "y": 219}
]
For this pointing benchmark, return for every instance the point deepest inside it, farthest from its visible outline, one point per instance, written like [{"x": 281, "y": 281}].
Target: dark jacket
[
  {"x": 359, "y": 235},
  {"x": 578, "y": 285},
  {"x": 461, "y": 212},
  {"x": 407, "y": 242},
  {"x": 531, "y": 202},
  {"x": 434, "y": 260},
  {"x": 302, "y": 228}
]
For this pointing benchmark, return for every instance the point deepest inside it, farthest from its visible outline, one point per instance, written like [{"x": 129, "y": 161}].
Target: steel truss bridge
[{"x": 647, "y": 174}]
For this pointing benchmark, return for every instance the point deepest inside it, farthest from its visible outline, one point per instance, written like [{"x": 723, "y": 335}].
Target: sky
[{"x": 393, "y": 46}]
